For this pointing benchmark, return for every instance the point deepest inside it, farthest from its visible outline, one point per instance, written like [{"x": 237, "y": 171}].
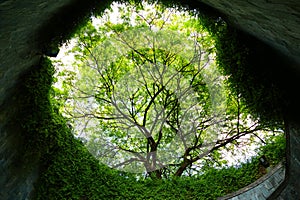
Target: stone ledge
[{"x": 262, "y": 188}]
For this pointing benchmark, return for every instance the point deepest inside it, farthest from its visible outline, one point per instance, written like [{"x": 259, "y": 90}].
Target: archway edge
[{"x": 29, "y": 26}]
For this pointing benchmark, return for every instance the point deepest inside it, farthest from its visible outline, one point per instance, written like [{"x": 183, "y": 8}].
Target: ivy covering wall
[{"x": 68, "y": 171}]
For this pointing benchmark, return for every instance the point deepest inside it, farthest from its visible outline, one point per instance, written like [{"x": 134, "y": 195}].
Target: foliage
[
  {"x": 132, "y": 119},
  {"x": 39, "y": 121},
  {"x": 237, "y": 58},
  {"x": 69, "y": 172},
  {"x": 274, "y": 149}
]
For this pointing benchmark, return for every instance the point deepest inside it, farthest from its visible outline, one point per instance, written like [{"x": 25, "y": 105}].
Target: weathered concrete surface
[
  {"x": 290, "y": 189},
  {"x": 260, "y": 189},
  {"x": 19, "y": 51},
  {"x": 273, "y": 21}
]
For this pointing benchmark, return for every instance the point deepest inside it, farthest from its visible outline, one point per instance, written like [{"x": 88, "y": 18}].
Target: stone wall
[
  {"x": 275, "y": 22},
  {"x": 19, "y": 52},
  {"x": 260, "y": 189},
  {"x": 290, "y": 189},
  {"x": 27, "y": 25}
]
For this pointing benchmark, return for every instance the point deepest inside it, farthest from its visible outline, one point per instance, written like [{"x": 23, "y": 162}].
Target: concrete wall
[
  {"x": 290, "y": 189},
  {"x": 19, "y": 51},
  {"x": 275, "y": 22},
  {"x": 260, "y": 189},
  {"x": 26, "y": 25}
]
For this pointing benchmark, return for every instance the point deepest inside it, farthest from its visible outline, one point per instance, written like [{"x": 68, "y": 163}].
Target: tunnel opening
[
  {"x": 50, "y": 50},
  {"x": 80, "y": 113}
]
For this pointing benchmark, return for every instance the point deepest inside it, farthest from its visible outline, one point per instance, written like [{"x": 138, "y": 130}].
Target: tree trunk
[
  {"x": 182, "y": 168},
  {"x": 155, "y": 174}
]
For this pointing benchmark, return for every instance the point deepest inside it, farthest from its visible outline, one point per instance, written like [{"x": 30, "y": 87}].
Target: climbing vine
[
  {"x": 239, "y": 61},
  {"x": 69, "y": 172}
]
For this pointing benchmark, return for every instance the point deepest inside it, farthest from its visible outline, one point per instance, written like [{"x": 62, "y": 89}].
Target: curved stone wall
[
  {"x": 273, "y": 21},
  {"x": 260, "y": 189},
  {"x": 28, "y": 25}
]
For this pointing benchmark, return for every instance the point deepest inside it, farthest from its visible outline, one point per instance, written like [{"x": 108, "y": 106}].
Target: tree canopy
[{"x": 145, "y": 94}]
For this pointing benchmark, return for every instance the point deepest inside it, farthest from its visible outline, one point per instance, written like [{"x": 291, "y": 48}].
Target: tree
[{"x": 148, "y": 96}]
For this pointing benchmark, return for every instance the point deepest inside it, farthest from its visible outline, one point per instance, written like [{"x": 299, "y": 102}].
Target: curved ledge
[{"x": 262, "y": 188}]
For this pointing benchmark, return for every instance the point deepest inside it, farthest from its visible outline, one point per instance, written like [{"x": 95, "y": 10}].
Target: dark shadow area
[
  {"x": 64, "y": 22},
  {"x": 275, "y": 75}
]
